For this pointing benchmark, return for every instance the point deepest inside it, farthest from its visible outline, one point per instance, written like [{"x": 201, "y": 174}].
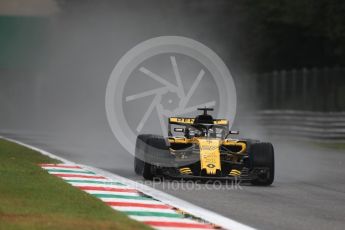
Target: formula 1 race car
[{"x": 204, "y": 151}]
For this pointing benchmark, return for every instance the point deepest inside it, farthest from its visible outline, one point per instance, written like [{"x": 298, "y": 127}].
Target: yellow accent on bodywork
[
  {"x": 220, "y": 122},
  {"x": 235, "y": 172},
  {"x": 180, "y": 140},
  {"x": 210, "y": 155},
  {"x": 230, "y": 142},
  {"x": 185, "y": 170}
]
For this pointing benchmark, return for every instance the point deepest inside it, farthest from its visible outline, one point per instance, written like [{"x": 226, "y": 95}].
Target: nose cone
[{"x": 209, "y": 155}]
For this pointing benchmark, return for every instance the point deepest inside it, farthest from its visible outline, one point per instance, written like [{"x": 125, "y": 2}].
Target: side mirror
[
  {"x": 234, "y": 132},
  {"x": 181, "y": 130}
]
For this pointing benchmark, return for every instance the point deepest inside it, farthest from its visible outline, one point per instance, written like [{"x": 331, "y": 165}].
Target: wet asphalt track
[{"x": 308, "y": 193}]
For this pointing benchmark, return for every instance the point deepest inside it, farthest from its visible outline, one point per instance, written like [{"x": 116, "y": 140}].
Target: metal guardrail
[
  {"x": 327, "y": 126},
  {"x": 316, "y": 89}
]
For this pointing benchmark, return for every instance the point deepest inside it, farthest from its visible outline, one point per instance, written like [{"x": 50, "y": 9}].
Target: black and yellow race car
[{"x": 203, "y": 150}]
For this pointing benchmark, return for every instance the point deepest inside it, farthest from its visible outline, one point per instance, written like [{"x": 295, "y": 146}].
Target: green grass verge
[{"x": 30, "y": 198}]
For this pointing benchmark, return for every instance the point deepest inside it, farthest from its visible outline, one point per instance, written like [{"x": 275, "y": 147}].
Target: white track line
[
  {"x": 163, "y": 219},
  {"x": 129, "y": 200},
  {"x": 125, "y": 209},
  {"x": 90, "y": 179},
  {"x": 188, "y": 207},
  {"x": 78, "y": 184},
  {"x": 174, "y": 228},
  {"x": 63, "y": 170},
  {"x": 74, "y": 173},
  {"x": 93, "y": 192}
]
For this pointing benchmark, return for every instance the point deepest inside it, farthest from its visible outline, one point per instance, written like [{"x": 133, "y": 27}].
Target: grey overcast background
[
  {"x": 57, "y": 88},
  {"x": 56, "y": 58}
]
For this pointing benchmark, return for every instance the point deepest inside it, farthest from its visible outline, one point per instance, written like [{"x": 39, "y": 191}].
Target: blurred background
[{"x": 287, "y": 59}]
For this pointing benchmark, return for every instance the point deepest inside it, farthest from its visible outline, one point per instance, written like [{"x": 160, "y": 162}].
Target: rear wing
[
  {"x": 186, "y": 121},
  {"x": 181, "y": 120},
  {"x": 190, "y": 121}
]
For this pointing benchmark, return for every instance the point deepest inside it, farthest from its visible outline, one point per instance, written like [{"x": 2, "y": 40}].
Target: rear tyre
[{"x": 261, "y": 157}]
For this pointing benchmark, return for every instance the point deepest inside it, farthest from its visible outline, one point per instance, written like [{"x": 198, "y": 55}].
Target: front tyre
[
  {"x": 261, "y": 158},
  {"x": 151, "y": 151},
  {"x": 140, "y": 146}
]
